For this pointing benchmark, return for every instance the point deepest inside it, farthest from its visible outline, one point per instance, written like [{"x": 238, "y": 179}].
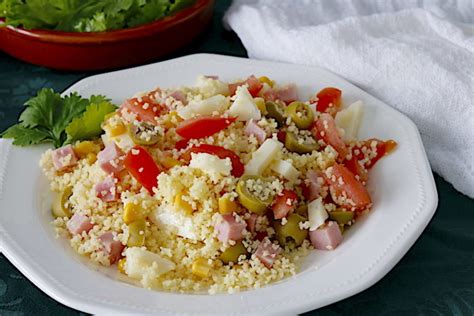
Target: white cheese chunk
[
  {"x": 244, "y": 107},
  {"x": 210, "y": 106},
  {"x": 209, "y": 86},
  {"x": 349, "y": 120},
  {"x": 210, "y": 163},
  {"x": 263, "y": 157},
  {"x": 141, "y": 263},
  {"x": 166, "y": 217},
  {"x": 286, "y": 170},
  {"x": 317, "y": 214}
]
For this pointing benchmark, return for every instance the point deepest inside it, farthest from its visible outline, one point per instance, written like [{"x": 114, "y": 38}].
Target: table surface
[{"x": 436, "y": 276}]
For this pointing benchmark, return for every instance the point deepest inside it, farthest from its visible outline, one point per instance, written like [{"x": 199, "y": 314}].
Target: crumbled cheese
[
  {"x": 210, "y": 163},
  {"x": 244, "y": 107},
  {"x": 263, "y": 157},
  {"x": 317, "y": 214}
]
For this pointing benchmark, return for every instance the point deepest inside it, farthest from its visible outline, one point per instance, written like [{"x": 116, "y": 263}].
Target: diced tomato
[
  {"x": 142, "y": 167},
  {"x": 253, "y": 85},
  {"x": 325, "y": 129},
  {"x": 354, "y": 166},
  {"x": 203, "y": 126},
  {"x": 345, "y": 190},
  {"x": 144, "y": 108},
  {"x": 261, "y": 235},
  {"x": 181, "y": 144},
  {"x": 382, "y": 148},
  {"x": 284, "y": 204},
  {"x": 281, "y": 135},
  {"x": 329, "y": 100},
  {"x": 221, "y": 152}
]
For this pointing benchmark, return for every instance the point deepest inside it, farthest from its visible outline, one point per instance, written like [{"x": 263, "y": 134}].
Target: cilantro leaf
[
  {"x": 24, "y": 136},
  {"x": 88, "y": 125}
]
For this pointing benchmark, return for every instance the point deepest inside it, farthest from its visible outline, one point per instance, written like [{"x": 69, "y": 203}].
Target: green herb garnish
[
  {"x": 48, "y": 117},
  {"x": 86, "y": 15}
]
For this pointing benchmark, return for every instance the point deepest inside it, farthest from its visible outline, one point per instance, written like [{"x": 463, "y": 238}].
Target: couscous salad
[{"x": 217, "y": 187}]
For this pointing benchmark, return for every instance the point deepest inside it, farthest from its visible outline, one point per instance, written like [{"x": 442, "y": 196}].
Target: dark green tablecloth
[{"x": 436, "y": 277}]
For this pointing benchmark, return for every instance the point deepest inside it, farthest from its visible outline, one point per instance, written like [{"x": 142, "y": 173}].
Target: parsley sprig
[{"x": 48, "y": 117}]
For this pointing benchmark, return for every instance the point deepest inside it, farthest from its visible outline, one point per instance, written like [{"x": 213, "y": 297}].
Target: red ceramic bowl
[{"x": 111, "y": 49}]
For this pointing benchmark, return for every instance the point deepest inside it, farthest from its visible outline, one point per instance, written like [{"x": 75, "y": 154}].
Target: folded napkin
[{"x": 417, "y": 56}]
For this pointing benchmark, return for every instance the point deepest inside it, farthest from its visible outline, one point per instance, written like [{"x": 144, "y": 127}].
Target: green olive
[
  {"x": 302, "y": 210},
  {"x": 248, "y": 199},
  {"x": 233, "y": 253},
  {"x": 275, "y": 110},
  {"x": 136, "y": 233},
  {"x": 292, "y": 144},
  {"x": 291, "y": 231},
  {"x": 61, "y": 206},
  {"x": 301, "y": 114},
  {"x": 143, "y": 134},
  {"x": 341, "y": 217}
]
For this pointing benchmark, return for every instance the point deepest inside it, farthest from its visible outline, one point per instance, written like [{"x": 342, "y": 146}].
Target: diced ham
[
  {"x": 178, "y": 96},
  {"x": 312, "y": 186},
  {"x": 254, "y": 129},
  {"x": 327, "y": 237},
  {"x": 267, "y": 252},
  {"x": 63, "y": 158},
  {"x": 112, "y": 247},
  {"x": 229, "y": 229},
  {"x": 111, "y": 158},
  {"x": 252, "y": 222},
  {"x": 106, "y": 190},
  {"x": 288, "y": 93},
  {"x": 78, "y": 224}
]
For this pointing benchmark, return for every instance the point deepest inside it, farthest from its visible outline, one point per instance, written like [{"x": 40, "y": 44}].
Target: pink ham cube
[
  {"x": 106, "y": 190},
  {"x": 112, "y": 247},
  {"x": 267, "y": 252},
  {"x": 327, "y": 237},
  {"x": 78, "y": 224},
  {"x": 229, "y": 229},
  {"x": 254, "y": 129},
  {"x": 313, "y": 186},
  {"x": 288, "y": 93},
  {"x": 111, "y": 159},
  {"x": 252, "y": 222},
  {"x": 64, "y": 158},
  {"x": 178, "y": 96}
]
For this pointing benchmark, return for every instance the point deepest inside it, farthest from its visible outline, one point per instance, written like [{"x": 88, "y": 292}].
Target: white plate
[{"x": 401, "y": 185}]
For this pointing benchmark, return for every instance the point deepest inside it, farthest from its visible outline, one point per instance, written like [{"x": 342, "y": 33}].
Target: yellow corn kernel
[
  {"x": 91, "y": 158},
  {"x": 226, "y": 206},
  {"x": 182, "y": 205},
  {"x": 121, "y": 265},
  {"x": 136, "y": 233},
  {"x": 169, "y": 162},
  {"x": 170, "y": 120},
  {"x": 85, "y": 147},
  {"x": 132, "y": 212},
  {"x": 116, "y": 129},
  {"x": 260, "y": 103},
  {"x": 268, "y": 81},
  {"x": 201, "y": 267}
]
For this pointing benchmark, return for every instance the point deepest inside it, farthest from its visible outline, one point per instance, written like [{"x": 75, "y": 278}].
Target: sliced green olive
[
  {"x": 61, "y": 206},
  {"x": 291, "y": 231},
  {"x": 143, "y": 134},
  {"x": 248, "y": 199},
  {"x": 302, "y": 210},
  {"x": 292, "y": 144},
  {"x": 136, "y": 231},
  {"x": 301, "y": 114},
  {"x": 275, "y": 110},
  {"x": 233, "y": 253},
  {"x": 341, "y": 217}
]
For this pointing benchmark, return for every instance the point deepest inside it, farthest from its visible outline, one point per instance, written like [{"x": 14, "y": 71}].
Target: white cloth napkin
[{"x": 415, "y": 55}]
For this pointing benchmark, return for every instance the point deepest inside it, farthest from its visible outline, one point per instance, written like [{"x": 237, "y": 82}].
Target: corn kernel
[
  {"x": 121, "y": 265},
  {"x": 91, "y": 158},
  {"x": 170, "y": 119},
  {"x": 136, "y": 233},
  {"x": 85, "y": 147},
  {"x": 260, "y": 103},
  {"x": 201, "y": 267},
  {"x": 117, "y": 129},
  {"x": 268, "y": 81},
  {"x": 169, "y": 162},
  {"x": 131, "y": 213},
  {"x": 182, "y": 205},
  {"x": 226, "y": 206}
]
